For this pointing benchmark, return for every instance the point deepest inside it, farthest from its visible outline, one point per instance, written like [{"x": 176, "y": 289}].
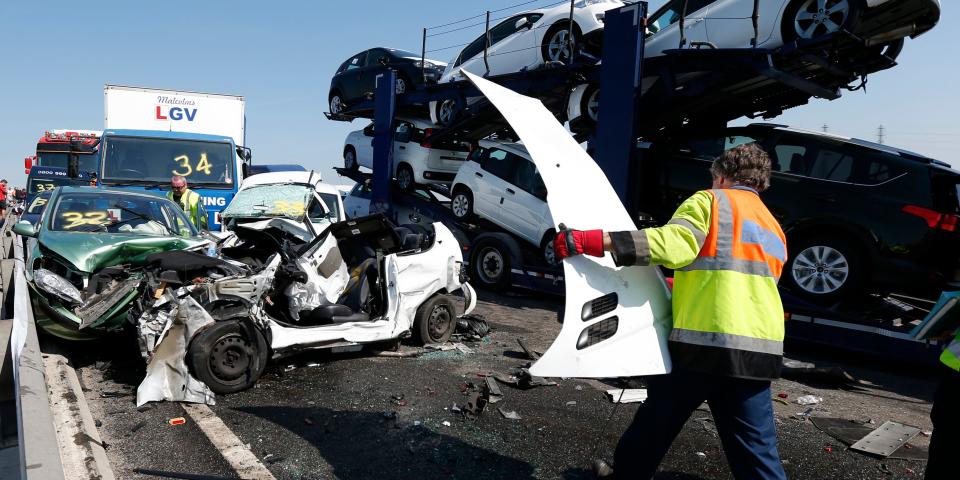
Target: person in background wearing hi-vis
[
  {"x": 726, "y": 344},
  {"x": 189, "y": 201},
  {"x": 945, "y": 416}
]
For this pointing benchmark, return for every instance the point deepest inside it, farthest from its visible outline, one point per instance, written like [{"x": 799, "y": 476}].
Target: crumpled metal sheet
[
  {"x": 168, "y": 377},
  {"x": 98, "y": 305},
  {"x": 293, "y": 227},
  {"x": 57, "y": 286},
  {"x": 318, "y": 290}
]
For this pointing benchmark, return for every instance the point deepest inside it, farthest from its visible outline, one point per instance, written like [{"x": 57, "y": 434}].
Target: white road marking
[{"x": 240, "y": 458}]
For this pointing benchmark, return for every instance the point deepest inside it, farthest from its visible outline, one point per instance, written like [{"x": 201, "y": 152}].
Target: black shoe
[{"x": 602, "y": 469}]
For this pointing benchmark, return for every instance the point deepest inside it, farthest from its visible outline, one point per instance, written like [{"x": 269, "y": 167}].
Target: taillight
[
  {"x": 934, "y": 219},
  {"x": 426, "y": 138}
]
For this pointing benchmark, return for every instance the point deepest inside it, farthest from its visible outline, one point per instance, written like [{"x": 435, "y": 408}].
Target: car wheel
[
  {"x": 228, "y": 356},
  {"x": 807, "y": 19},
  {"x": 401, "y": 85},
  {"x": 824, "y": 269},
  {"x": 350, "y": 159},
  {"x": 490, "y": 265},
  {"x": 336, "y": 103},
  {"x": 462, "y": 203},
  {"x": 558, "y": 45},
  {"x": 405, "y": 178},
  {"x": 446, "y": 112},
  {"x": 546, "y": 246},
  {"x": 435, "y": 320}
]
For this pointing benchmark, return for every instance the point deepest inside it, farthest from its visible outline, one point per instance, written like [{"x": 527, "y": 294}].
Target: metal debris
[
  {"x": 509, "y": 414},
  {"x": 627, "y": 395},
  {"x": 809, "y": 400},
  {"x": 887, "y": 439}
]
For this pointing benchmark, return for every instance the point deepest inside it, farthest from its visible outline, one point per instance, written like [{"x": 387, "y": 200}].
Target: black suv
[
  {"x": 357, "y": 77},
  {"x": 858, "y": 215}
]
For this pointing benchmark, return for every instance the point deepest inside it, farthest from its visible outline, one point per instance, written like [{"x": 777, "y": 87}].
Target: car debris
[
  {"x": 472, "y": 327},
  {"x": 177, "y": 421},
  {"x": 627, "y": 395},
  {"x": 531, "y": 354},
  {"x": 809, "y": 400},
  {"x": 493, "y": 390},
  {"x": 886, "y": 439},
  {"x": 508, "y": 414}
]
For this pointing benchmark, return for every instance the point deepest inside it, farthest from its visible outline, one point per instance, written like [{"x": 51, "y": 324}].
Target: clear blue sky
[{"x": 56, "y": 56}]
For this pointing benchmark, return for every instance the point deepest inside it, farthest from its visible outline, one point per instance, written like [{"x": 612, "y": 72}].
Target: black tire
[
  {"x": 561, "y": 55},
  {"x": 462, "y": 207},
  {"x": 839, "y": 272},
  {"x": 788, "y": 28},
  {"x": 336, "y": 103},
  {"x": 350, "y": 159},
  {"x": 225, "y": 357},
  {"x": 546, "y": 248},
  {"x": 405, "y": 179},
  {"x": 446, "y": 112},
  {"x": 436, "y": 320},
  {"x": 490, "y": 264}
]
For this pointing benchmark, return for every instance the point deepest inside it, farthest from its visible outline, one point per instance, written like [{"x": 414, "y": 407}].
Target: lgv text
[{"x": 176, "y": 113}]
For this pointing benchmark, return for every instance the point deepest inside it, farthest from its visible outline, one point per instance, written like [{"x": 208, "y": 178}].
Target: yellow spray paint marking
[
  {"x": 43, "y": 187},
  {"x": 184, "y": 161},
  {"x": 76, "y": 219},
  {"x": 284, "y": 207}
]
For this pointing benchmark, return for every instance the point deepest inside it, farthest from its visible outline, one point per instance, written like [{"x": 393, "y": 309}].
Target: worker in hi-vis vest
[
  {"x": 726, "y": 344},
  {"x": 189, "y": 201},
  {"x": 945, "y": 416}
]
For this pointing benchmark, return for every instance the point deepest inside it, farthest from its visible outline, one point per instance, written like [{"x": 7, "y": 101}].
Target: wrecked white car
[{"x": 356, "y": 282}]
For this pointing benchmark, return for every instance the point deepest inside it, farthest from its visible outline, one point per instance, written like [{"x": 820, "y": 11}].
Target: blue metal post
[
  {"x": 384, "y": 107},
  {"x": 614, "y": 143}
]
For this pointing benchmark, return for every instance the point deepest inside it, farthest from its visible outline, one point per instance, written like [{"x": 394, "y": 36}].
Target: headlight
[{"x": 57, "y": 286}]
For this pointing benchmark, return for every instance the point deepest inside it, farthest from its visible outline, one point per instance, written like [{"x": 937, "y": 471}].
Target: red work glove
[{"x": 575, "y": 242}]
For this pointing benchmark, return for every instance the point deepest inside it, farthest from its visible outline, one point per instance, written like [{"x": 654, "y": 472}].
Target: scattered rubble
[
  {"x": 809, "y": 400},
  {"x": 627, "y": 395},
  {"x": 509, "y": 414}
]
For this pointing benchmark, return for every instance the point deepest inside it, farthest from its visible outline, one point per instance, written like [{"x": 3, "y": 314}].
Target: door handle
[
  {"x": 510, "y": 191},
  {"x": 478, "y": 174}
]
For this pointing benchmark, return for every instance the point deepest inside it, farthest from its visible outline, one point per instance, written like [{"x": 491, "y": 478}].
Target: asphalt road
[{"x": 359, "y": 416}]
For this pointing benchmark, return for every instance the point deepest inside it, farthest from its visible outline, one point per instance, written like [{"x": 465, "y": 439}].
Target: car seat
[
  {"x": 410, "y": 239},
  {"x": 356, "y": 303}
]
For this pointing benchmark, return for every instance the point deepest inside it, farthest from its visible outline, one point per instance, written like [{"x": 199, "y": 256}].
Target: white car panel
[{"x": 638, "y": 346}]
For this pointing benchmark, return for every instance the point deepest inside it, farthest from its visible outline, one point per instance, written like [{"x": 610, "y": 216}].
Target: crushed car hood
[
  {"x": 90, "y": 252},
  {"x": 616, "y": 319}
]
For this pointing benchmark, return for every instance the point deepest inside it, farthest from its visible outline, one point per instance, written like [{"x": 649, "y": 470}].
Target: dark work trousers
[
  {"x": 742, "y": 411},
  {"x": 945, "y": 416}
]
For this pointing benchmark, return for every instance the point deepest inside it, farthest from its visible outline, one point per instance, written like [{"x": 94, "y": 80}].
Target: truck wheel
[
  {"x": 435, "y": 320},
  {"x": 824, "y": 269},
  {"x": 226, "y": 358},
  {"x": 462, "y": 203},
  {"x": 490, "y": 264}
]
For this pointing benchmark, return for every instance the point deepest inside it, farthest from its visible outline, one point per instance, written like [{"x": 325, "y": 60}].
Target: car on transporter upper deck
[
  {"x": 858, "y": 215},
  {"x": 357, "y": 77}
]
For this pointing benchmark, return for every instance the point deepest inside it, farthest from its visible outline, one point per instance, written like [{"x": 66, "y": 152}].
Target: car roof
[
  {"x": 166, "y": 134},
  {"x": 269, "y": 178}
]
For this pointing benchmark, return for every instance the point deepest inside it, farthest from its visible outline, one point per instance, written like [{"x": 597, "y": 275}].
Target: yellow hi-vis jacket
[
  {"x": 192, "y": 205},
  {"x": 728, "y": 252},
  {"x": 951, "y": 355}
]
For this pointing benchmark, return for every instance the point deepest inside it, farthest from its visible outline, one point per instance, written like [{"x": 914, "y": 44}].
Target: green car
[{"x": 85, "y": 265}]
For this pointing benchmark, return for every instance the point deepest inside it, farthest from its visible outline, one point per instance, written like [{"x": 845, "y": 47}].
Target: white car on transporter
[
  {"x": 729, "y": 24},
  {"x": 416, "y": 159},
  {"x": 526, "y": 41},
  {"x": 501, "y": 184}
]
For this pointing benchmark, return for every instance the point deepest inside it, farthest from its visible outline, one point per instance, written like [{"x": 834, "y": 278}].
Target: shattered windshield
[
  {"x": 104, "y": 212},
  {"x": 276, "y": 200},
  {"x": 155, "y": 160}
]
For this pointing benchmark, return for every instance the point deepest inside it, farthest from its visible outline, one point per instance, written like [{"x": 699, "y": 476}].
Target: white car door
[
  {"x": 364, "y": 147},
  {"x": 730, "y": 22},
  {"x": 521, "y": 208},
  {"x": 512, "y": 47},
  {"x": 491, "y": 185},
  {"x": 663, "y": 27},
  {"x": 357, "y": 203},
  {"x": 617, "y": 318}
]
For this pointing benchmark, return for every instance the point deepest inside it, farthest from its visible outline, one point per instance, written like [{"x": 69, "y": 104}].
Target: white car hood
[{"x": 633, "y": 333}]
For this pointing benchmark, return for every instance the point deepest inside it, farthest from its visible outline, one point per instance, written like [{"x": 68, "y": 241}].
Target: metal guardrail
[{"x": 37, "y": 439}]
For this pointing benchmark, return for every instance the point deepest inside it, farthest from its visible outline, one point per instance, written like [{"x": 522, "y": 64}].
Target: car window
[
  {"x": 737, "y": 140},
  {"x": 498, "y": 162},
  {"x": 373, "y": 57},
  {"x": 830, "y": 164},
  {"x": 361, "y": 190},
  {"x": 671, "y": 13},
  {"x": 504, "y": 29},
  {"x": 475, "y": 47},
  {"x": 405, "y": 132},
  {"x": 789, "y": 158},
  {"x": 526, "y": 177},
  {"x": 707, "y": 148},
  {"x": 368, "y": 130},
  {"x": 357, "y": 61}
]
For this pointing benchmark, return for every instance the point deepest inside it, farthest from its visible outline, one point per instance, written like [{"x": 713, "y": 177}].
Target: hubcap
[
  {"x": 336, "y": 105},
  {"x": 404, "y": 178},
  {"x": 593, "y": 105},
  {"x": 821, "y": 17},
  {"x": 446, "y": 112},
  {"x": 558, "y": 50},
  {"x": 401, "y": 85},
  {"x": 230, "y": 357},
  {"x": 460, "y": 205},
  {"x": 820, "y": 270},
  {"x": 491, "y": 265},
  {"x": 548, "y": 254},
  {"x": 439, "y": 322}
]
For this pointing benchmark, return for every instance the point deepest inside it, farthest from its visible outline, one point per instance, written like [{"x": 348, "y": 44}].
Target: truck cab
[{"x": 148, "y": 159}]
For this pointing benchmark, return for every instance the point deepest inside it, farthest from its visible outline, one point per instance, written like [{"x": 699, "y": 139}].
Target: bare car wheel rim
[
  {"x": 820, "y": 270},
  {"x": 446, "y": 112},
  {"x": 230, "y": 357},
  {"x": 491, "y": 265},
  {"x": 821, "y": 17},
  {"x": 349, "y": 160},
  {"x": 558, "y": 50},
  {"x": 336, "y": 105},
  {"x": 461, "y": 205},
  {"x": 439, "y": 322},
  {"x": 404, "y": 178}
]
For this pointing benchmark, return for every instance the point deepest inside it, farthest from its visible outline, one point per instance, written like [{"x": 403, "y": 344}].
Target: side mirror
[
  {"x": 25, "y": 229},
  {"x": 523, "y": 23},
  {"x": 245, "y": 153}
]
